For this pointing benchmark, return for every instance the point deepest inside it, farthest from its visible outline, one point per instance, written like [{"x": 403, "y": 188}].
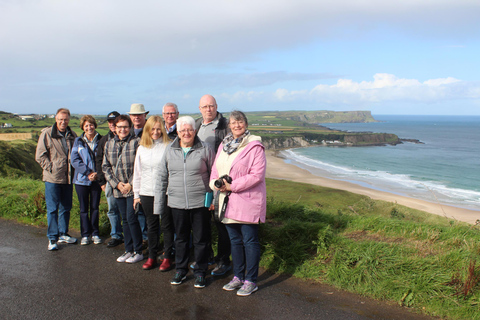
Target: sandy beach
[{"x": 278, "y": 169}]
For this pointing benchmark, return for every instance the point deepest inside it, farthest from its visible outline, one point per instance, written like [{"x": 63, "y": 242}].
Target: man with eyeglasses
[
  {"x": 170, "y": 116},
  {"x": 53, "y": 154},
  {"x": 212, "y": 127}
]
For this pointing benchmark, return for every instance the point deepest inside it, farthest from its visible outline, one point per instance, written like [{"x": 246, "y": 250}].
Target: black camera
[{"x": 219, "y": 182}]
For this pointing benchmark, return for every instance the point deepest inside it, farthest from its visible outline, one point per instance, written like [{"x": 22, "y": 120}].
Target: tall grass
[{"x": 374, "y": 248}]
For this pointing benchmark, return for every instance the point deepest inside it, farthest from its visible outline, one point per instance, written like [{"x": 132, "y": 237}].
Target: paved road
[{"x": 85, "y": 282}]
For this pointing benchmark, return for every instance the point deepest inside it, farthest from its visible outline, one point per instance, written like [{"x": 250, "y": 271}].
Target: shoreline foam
[{"x": 278, "y": 169}]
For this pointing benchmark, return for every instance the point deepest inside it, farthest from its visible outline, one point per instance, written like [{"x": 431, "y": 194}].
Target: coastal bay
[{"x": 277, "y": 168}]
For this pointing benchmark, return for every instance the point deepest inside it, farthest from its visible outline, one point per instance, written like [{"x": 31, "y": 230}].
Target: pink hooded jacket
[{"x": 248, "y": 200}]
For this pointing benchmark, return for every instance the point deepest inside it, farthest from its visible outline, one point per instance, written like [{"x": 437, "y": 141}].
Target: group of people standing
[{"x": 166, "y": 177}]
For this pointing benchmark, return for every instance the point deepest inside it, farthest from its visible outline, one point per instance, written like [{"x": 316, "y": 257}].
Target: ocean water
[{"x": 445, "y": 169}]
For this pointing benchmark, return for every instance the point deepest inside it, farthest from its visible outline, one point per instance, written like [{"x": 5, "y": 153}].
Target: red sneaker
[
  {"x": 150, "y": 264},
  {"x": 166, "y": 265}
]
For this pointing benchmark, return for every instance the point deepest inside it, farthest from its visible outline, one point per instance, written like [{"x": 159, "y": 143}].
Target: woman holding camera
[
  {"x": 153, "y": 143},
  {"x": 183, "y": 174},
  {"x": 239, "y": 174}
]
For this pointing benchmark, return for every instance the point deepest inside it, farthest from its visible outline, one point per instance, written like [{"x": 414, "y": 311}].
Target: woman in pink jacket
[{"x": 238, "y": 176}]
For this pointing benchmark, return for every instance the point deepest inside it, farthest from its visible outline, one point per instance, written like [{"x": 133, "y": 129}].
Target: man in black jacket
[
  {"x": 212, "y": 127},
  {"x": 113, "y": 212}
]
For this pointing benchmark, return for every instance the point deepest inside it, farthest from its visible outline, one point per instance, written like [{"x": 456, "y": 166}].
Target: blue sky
[{"x": 389, "y": 57}]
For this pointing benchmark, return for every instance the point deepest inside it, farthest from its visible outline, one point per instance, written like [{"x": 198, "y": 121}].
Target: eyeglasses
[
  {"x": 123, "y": 127},
  {"x": 210, "y": 106},
  {"x": 169, "y": 113},
  {"x": 187, "y": 131}
]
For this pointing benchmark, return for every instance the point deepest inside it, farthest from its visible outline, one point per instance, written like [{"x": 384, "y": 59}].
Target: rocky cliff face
[
  {"x": 284, "y": 143},
  {"x": 364, "y": 139}
]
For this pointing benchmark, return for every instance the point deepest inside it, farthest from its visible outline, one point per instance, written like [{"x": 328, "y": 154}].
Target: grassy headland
[{"x": 371, "y": 247}]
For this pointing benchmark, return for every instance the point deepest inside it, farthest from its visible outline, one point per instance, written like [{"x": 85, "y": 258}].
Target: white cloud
[
  {"x": 384, "y": 88},
  {"x": 91, "y": 35}
]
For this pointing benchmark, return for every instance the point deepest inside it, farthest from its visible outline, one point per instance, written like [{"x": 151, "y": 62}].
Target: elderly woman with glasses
[
  {"x": 183, "y": 175},
  {"x": 118, "y": 160},
  {"x": 238, "y": 176}
]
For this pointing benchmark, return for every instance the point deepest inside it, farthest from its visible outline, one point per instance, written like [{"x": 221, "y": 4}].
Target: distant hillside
[{"x": 329, "y": 116}]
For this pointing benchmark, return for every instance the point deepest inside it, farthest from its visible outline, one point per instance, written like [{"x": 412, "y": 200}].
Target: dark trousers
[
  {"x": 185, "y": 222},
  {"x": 168, "y": 230},
  {"x": 89, "y": 200},
  {"x": 224, "y": 249},
  {"x": 132, "y": 234},
  {"x": 153, "y": 226}
]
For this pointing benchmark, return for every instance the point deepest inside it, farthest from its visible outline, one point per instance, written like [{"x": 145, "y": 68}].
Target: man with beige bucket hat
[{"x": 138, "y": 115}]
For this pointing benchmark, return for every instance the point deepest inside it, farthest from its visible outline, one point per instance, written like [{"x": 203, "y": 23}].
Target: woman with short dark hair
[
  {"x": 84, "y": 153},
  {"x": 118, "y": 161}
]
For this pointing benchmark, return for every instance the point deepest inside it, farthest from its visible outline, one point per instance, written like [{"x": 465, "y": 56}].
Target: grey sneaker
[
  {"x": 97, "y": 239},
  {"x": 65, "y": 238},
  {"x": 52, "y": 245},
  {"x": 234, "y": 284},
  {"x": 85, "y": 241},
  {"x": 247, "y": 289}
]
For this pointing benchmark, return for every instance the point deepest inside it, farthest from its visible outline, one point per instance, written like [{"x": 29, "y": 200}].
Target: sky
[{"x": 94, "y": 56}]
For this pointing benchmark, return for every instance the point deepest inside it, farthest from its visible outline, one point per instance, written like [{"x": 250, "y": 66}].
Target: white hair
[{"x": 185, "y": 120}]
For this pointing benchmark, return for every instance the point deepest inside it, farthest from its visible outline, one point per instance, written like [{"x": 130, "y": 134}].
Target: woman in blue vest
[{"x": 84, "y": 152}]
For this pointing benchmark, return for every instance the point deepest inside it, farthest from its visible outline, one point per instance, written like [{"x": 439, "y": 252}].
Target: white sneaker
[
  {"x": 97, "y": 239},
  {"x": 135, "y": 258},
  {"x": 85, "y": 241},
  {"x": 67, "y": 239},
  {"x": 124, "y": 257},
  {"x": 52, "y": 245}
]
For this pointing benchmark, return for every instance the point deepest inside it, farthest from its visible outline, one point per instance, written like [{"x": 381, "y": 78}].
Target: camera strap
[{"x": 220, "y": 214}]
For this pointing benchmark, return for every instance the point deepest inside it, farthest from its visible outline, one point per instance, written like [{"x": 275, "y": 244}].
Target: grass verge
[{"x": 374, "y": 248}]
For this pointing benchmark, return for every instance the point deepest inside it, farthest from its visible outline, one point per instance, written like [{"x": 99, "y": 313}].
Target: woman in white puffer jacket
[{"x": 149, "y": 154}]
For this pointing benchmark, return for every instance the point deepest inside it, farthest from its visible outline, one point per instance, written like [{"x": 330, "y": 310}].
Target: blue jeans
[
  {"x": 115, "y": 218},
  {"x": 58, "y": 198},
  {"x": 131, "y": 228},
  {"x": 245, "y": 250}
]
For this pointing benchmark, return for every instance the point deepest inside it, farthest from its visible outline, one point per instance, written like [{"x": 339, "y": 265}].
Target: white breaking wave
[{"x": 395, "y": 183}]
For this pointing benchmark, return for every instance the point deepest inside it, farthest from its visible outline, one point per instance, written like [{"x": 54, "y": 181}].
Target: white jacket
[{"x": 147, "y": 162}]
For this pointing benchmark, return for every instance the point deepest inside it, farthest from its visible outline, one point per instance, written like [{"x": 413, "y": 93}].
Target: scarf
[{"x": 230, "y": 144}]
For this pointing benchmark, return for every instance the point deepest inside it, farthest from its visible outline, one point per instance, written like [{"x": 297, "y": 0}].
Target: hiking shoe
[
  {"x": 124, "y": 257},
  {"x": 85, "y": 241},
  {"x": 199, "y": 282},
  {"x": 52, "y": 245},
  {"x": 65, "y": 238},
  {"x": 136, "y": 257},
  {"x": 193, "y": 265},
  {"x": 236, "y": 283},
  {"x": 114, "y": 242},
  {"x": 97, "y": 239},
  {"x": 178, "y": 278},
  {"x": 221, "y": 269},
  {"x": 247, "y": 289}
]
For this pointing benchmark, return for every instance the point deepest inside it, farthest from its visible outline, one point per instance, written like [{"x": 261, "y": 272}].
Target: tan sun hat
[{"x": 137, "y": 108}]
